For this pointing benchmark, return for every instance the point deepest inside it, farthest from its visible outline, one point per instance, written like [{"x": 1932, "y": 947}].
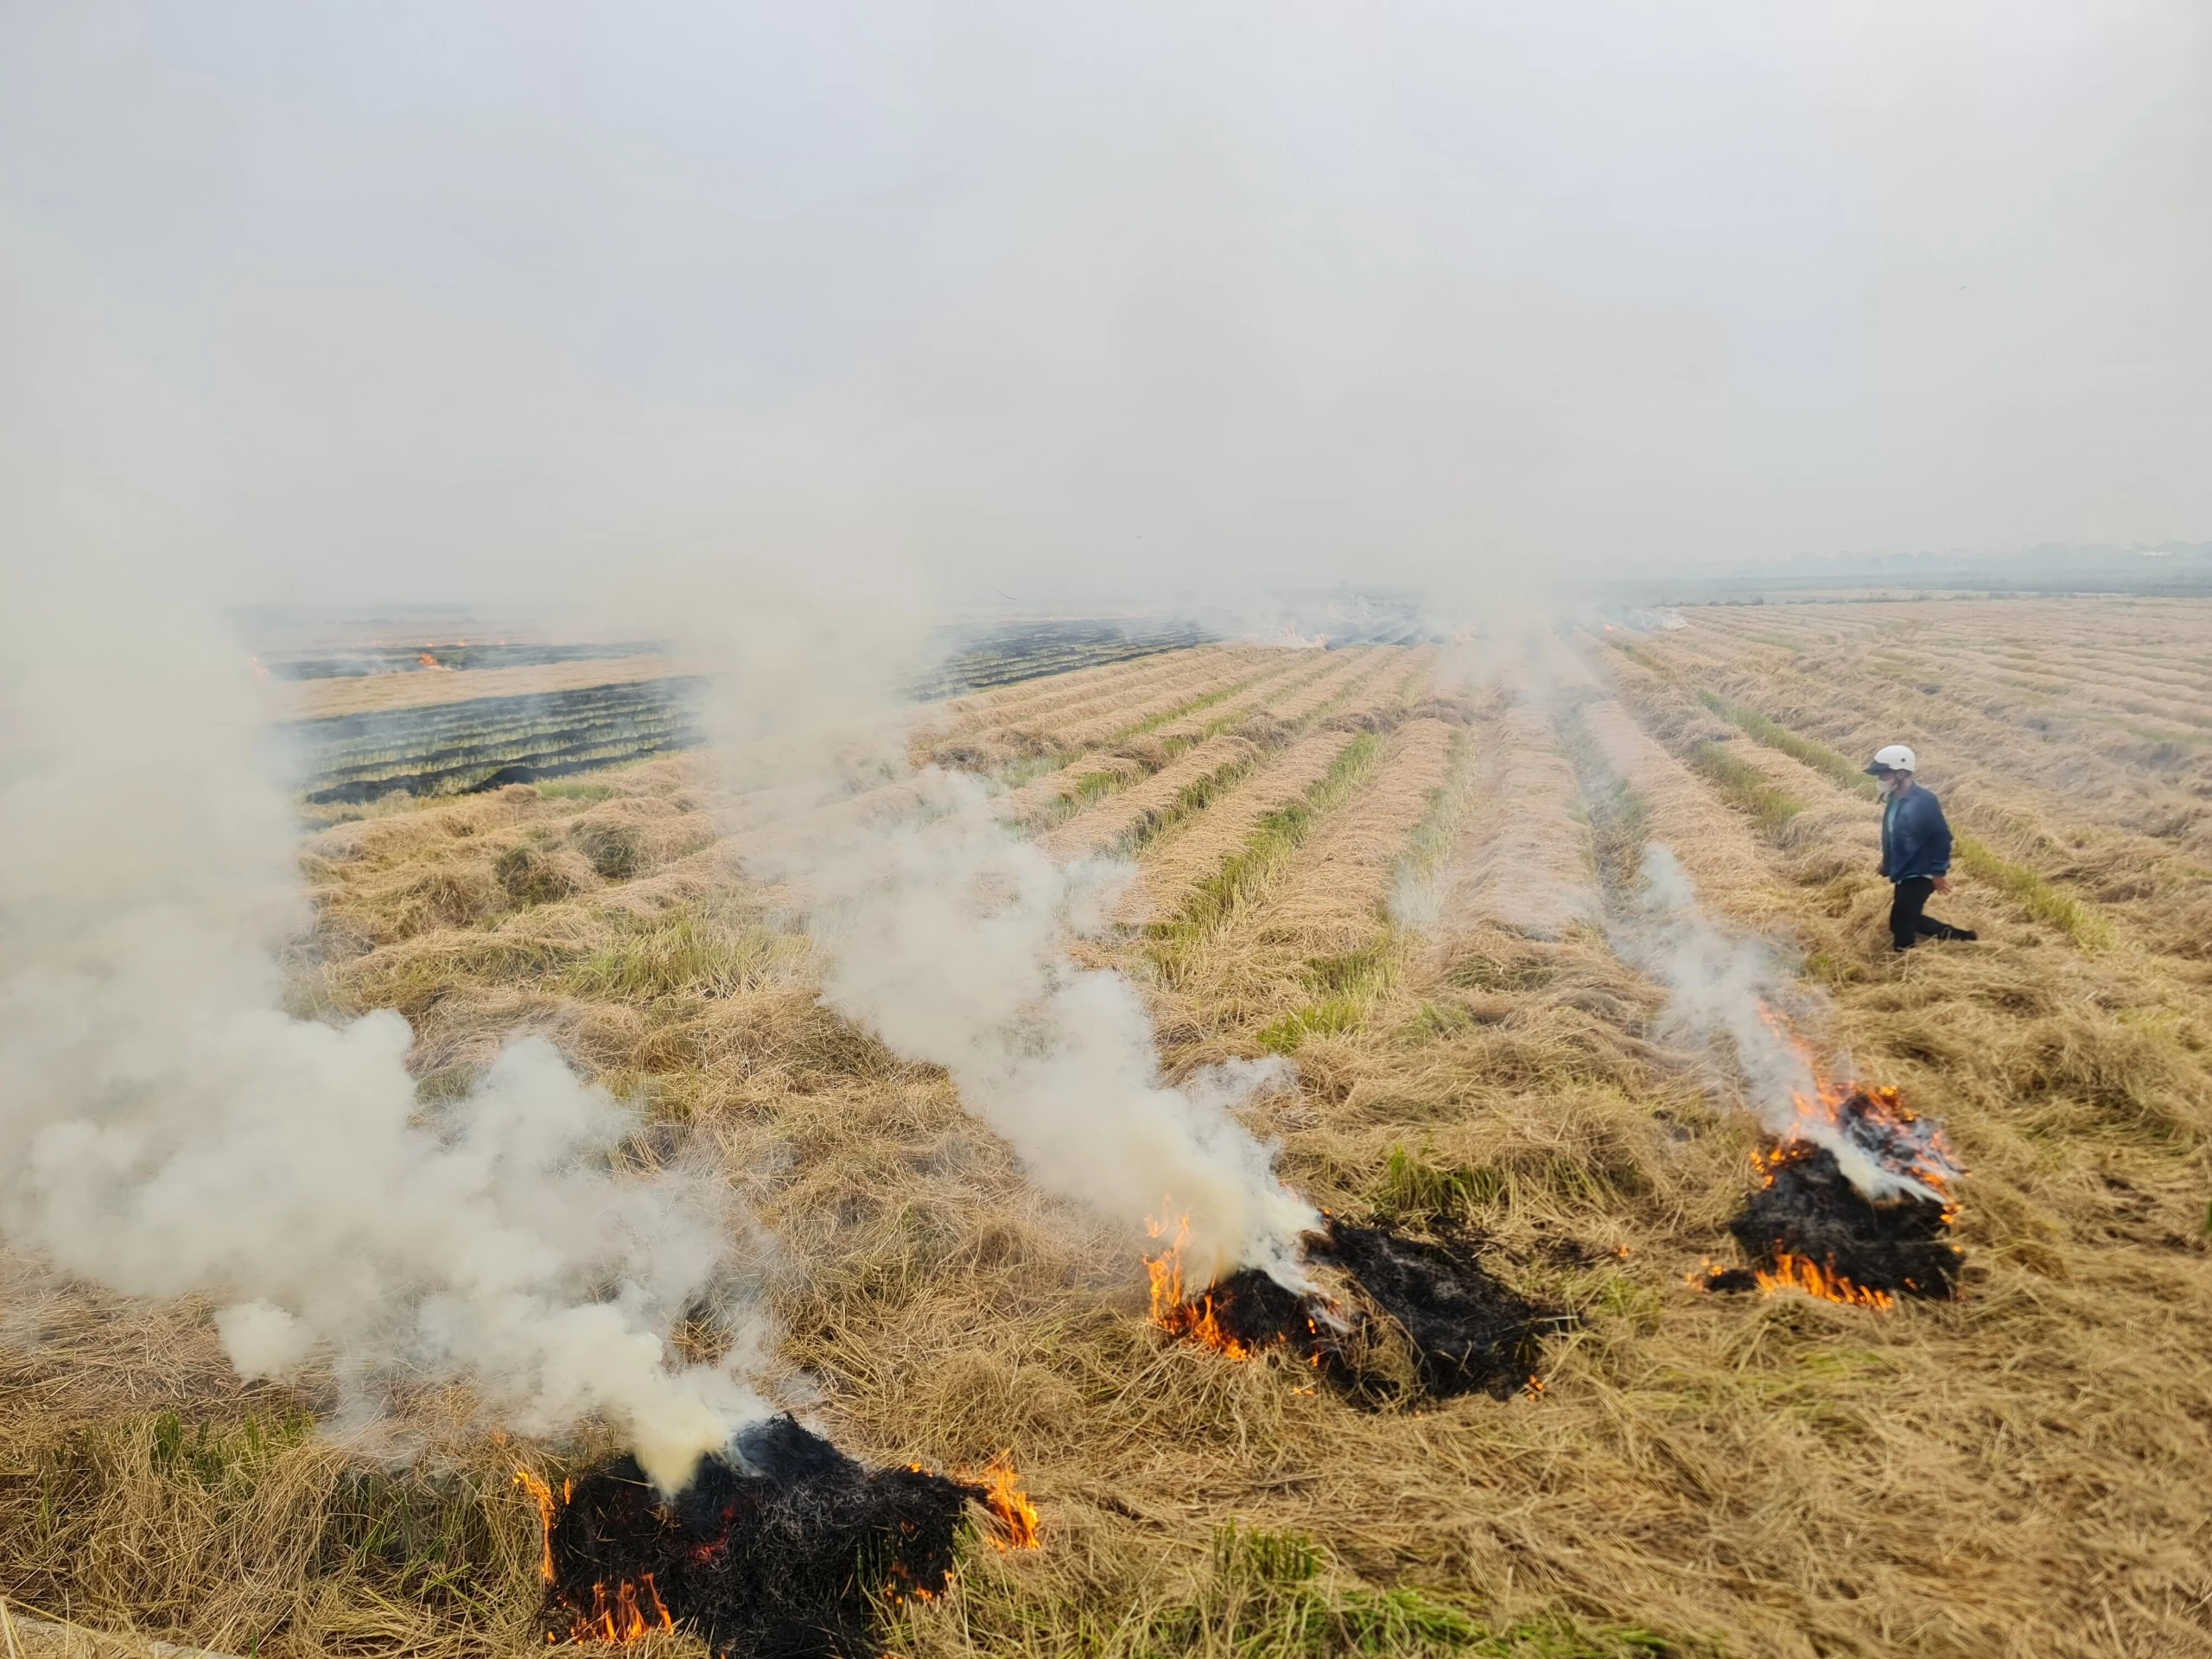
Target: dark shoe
[{"x": 1967, "y": 934}]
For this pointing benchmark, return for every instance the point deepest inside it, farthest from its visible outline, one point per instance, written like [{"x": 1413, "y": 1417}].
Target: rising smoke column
[
  {"x": 166, "y": 1128},
  {"x": 1726, "y": 990},
  {"x": 949, "y": 938}
]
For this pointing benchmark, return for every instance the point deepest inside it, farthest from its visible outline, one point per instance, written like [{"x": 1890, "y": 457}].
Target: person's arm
[{"x": 1936, "y": 836}]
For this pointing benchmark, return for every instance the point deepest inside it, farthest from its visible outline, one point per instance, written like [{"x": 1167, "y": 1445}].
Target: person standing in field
[{"x": 1915, "y": 850}]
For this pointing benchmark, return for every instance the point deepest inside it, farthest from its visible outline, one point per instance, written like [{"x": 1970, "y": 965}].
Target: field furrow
[
  {"x": 1353, "y": 672},
  {"x": 1525, "y": 866},
  {"x": 1293, "y": 678},
  {"x": 1050, "y": 799},
  {"x": 2018, "y": 768},
  {"x": 988, "y": 735},
  {"x": 1057, "y": 691},
  {"x": 1425, "y": 876},
  {"x": 1330, "y": 901},
  {"x": 1042, "y": 724},
  {"x": 1735, "y": 874},
  {"x": 1183, "y": 785},
  {"x": 1178, "y": 864},
  {"x": 1130, "y": 719},
  {"x": 1765, "y": 777}
]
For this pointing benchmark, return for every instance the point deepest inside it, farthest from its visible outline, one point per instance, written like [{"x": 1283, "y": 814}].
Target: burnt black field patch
[
  {"x": 785, "y": 1550},
  {"x": 1808, "y": 1225},
  {"x": 1468, "y": 1331}
]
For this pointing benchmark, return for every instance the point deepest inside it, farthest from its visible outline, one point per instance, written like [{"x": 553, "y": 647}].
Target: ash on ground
[{"x": 1468, "y": 1331}]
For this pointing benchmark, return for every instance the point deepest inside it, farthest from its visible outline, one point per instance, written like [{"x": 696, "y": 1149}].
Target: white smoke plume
[
  {"x": 949, "y": 938},
  {"x": 1731, "y": 992},
  {"x": 167, "y": 1129}
]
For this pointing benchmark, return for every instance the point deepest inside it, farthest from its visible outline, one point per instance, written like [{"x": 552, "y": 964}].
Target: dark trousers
[{"x": 1908, "y": 920}]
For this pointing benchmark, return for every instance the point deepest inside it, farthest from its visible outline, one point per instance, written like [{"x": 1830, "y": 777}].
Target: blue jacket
[{"x": 1915, "y": 839}]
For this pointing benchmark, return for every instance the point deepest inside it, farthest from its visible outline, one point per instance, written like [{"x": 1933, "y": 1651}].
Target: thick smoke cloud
[
  {"x": 166, "y": 1127},
  {"x": 949, "y": 937}
]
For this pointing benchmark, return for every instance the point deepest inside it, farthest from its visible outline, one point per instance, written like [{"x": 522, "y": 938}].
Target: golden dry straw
[{"x": 2020, "y": 1473}]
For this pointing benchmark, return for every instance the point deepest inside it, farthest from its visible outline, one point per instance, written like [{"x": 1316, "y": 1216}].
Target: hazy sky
[{"x": 454, "y": 300}]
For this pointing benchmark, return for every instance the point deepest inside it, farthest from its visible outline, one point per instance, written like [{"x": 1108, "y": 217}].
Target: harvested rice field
[
  {"x": 363, "y": 724},
  {"x": 1416, "y": 883}
]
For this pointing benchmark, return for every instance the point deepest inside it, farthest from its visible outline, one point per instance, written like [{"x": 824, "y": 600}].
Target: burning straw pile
[
  {"x": 1467, "y": 1331},
  {"x": 782, "y": 1547},
  {"x": 1860, "y": 1214}
]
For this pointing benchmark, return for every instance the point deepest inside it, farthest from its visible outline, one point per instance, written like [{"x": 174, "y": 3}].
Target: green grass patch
[
  {"x": 1744, "y": 787},
  {"x": 1642, "y": 659},
  {"x": 2034, "y": 894},
  {"x": 1193, "y": 798},
  {"x": 1274, "y": 839},
  {"x": 1349, "y": 985},
  {"x": 1431, "y": 842},
  {"x": 1179, "y": 711},
  {"x": 1434, "y": 1020},
  {"x": 1028, "y": 768},
  {"x": 1267, "y": 1593},
  {"x": 1085, "y": 792},
  {"x": 563, "y": 789},
  {"x": 431, "y": 1540},
  {"x": 1365, "y": 973},
  {"x": 1837, "y": 768},
  {"x": 1272, "y": 1595},
  {"x": 1331, "y": 1017},
  {"x": 231, "y": 1458},
  {"x": 703, "y": 950},
  {"x": 1616, "y": 815},
  {"x": 1412, "y": 1186},
  {"x": 1357, "y": 681}
]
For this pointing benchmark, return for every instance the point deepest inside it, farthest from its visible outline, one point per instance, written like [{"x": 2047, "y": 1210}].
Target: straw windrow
[{"x": 2020, "y": 1472}]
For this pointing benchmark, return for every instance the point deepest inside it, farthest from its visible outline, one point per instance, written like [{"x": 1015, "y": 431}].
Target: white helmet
[{"x": 1896, "y": 758}]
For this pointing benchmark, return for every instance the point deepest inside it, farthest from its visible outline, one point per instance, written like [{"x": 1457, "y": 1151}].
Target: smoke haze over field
[
  {"x": 166, "y": 1128},
  {"x": 481, "y": 300},
  {"x": 947, "y": 935},
  {"x": 814, "y": 321}
]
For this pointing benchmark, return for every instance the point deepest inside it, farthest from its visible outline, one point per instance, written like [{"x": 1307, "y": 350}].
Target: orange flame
[
  {"x": 630, "y": 1614},
  {"x": 1907, "y": 1147},
  {"x": 902, "y": 1588},
  {"x": 543, "y": 1494},
  {"x": 428, "y": 661},
  {"x": 1802, "y": 1273},
  {"x": 1925, "y": 1156},
  {"x": 1009, "y": 1506},
  {"x": 1171, "y": 1311},
  {"x": 624, "y": 1617}
]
